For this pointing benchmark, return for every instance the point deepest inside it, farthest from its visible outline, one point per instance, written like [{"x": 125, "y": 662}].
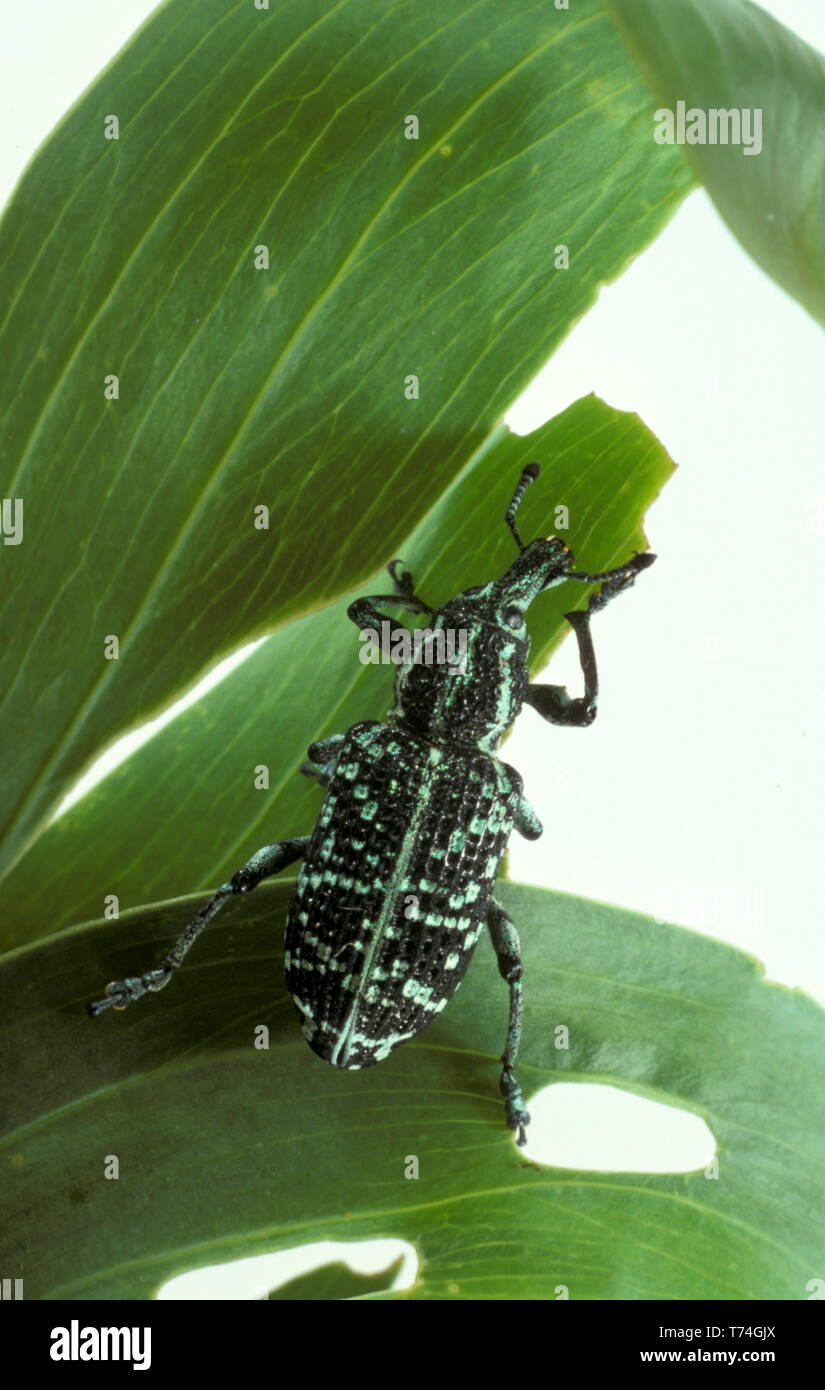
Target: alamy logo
[
  {"x": 426, "y": 646},
  {"x": 717, "y": 126},
  {"x": 76, "y": 1343}
]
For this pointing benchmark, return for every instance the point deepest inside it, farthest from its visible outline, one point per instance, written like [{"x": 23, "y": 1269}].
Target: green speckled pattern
[
  {"x": 470, "y": 705},
  {"x": 394, "y": 890}
]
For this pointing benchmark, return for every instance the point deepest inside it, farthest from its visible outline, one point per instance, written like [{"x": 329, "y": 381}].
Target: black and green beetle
[{"x": 397, "y": 878}]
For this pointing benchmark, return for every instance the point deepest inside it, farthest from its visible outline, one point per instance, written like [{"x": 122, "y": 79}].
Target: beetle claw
[{"x": 405, "y": 584}]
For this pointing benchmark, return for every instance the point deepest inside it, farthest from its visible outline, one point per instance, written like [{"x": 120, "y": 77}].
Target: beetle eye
[{"x": 514, "y": 618}]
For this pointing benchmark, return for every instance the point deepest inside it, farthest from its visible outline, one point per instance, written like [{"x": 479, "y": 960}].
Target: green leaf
[
  {"x": 183, "y": 811},
  {"x": 336, "y": 1281},
  {"x": 732, "y": 55},
  {"x": 241, "y": 387},
  {"x": 226, "y": 1150}
]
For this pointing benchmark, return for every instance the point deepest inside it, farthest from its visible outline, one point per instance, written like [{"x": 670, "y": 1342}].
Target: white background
[{"x": 698, "y": 794}]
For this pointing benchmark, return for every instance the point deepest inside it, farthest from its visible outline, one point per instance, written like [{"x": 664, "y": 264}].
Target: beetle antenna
[{"x": 529, "y": 475}]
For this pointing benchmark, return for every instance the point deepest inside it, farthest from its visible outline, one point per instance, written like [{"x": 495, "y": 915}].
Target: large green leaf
[
  {"x": 732, "y": 55},
  {"x": 183, "y": 812},
  {"x": 226, "y": 1150},
  {"x": 285, "y": 387}
]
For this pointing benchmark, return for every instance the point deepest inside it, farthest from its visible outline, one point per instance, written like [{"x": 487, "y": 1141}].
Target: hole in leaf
[
  {"x": 327, "y": 1269},
  {"x": 603, "y": 1128}
]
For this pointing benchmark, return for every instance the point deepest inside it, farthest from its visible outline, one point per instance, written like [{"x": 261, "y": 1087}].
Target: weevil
[{"x": 397, "y": 879}]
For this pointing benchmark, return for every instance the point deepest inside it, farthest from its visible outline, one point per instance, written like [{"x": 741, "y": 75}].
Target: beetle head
[
  {"x": 473, "y": 701},
  {"x": 503, "y": 603}
]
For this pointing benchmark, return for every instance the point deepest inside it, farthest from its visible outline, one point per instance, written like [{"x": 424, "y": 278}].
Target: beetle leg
[
  {"x": 553, "y": 702},
  {"x": 269, "y": 860},
  {"x": 405, "y": 584},
  {"x": 322, "y": 757},
  {"x": 365, "y": 612},
  {"x": 506, "y": 944},
  {"x": 614, "y": 582}
]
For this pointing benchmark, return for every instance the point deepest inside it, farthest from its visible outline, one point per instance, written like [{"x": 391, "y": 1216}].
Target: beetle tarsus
[
  {"x": 405, "y": 584},
  {"x": 121, "y": 993},
  {"x": 517, "y": 1116}
]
